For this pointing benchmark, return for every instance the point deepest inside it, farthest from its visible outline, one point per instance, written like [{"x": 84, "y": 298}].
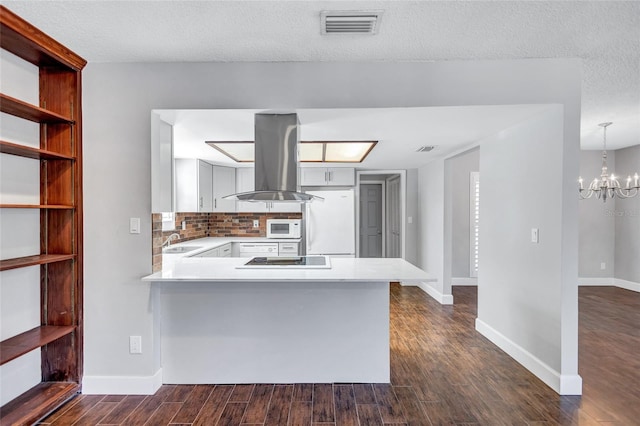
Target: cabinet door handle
[
  {"x": 326, "y": 176},
  {"x": 201, "y": 202},
  {"x": 330, "y": 176},
  {"x": 215, "y": 203}
]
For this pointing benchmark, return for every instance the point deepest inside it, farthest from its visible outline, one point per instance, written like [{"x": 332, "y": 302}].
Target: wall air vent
[
  {"x": 350, "y": 21},
  {"x": 425, "y": 148}
]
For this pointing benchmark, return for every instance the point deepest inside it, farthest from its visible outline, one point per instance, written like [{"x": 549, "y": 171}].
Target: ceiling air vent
[
  {"x": 350, "y": 22},
  {"x": 425, "y": 148}
]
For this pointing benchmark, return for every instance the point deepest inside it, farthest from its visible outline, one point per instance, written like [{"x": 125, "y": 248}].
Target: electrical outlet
[
  {"x": 603, "y": 266},
  {"x": 184, "y": 225},
  {"x": 256, "y": 223},
  {"x": 135, "y": 344}
]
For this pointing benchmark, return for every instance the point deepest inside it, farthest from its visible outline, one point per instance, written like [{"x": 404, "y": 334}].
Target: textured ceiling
[{"x": 605, "y": 35}]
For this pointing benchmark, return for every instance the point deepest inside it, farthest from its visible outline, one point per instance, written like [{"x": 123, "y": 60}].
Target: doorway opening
[{"x": 380, "y": 212}]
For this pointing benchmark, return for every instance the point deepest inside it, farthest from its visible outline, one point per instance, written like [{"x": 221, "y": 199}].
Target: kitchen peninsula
[{"x": 224, "y": 324}]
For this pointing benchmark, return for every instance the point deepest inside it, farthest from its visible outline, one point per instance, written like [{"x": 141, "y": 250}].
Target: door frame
[
  {"x": 403, "y": 204},
  {"x": 383, "y": 213}
]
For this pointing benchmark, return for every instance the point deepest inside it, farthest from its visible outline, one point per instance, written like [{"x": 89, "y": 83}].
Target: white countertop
[{"x": 198, "y": 269}]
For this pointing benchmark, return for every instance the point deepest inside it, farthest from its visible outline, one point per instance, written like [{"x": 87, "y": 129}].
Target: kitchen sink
[{"x": 180, "y": 249}]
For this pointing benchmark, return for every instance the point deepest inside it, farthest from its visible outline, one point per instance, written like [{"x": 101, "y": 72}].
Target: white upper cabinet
[
  {"x": 194, "y": 185},
  {"x": 245, "y": 182},
  {"x": 200, "y": 186},
  {"x": 327, "y": 176},
  {"x": 224, "y": 183}
]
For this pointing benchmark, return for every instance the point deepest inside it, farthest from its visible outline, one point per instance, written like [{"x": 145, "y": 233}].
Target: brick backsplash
[
  {"x": 241, "y": 224},
  {"x": 201, "y": 225}
]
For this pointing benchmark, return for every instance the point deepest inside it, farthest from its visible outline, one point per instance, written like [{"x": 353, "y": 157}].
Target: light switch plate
[
  {"x": 256, "y": 223},
  {"x": 535, "y": 236},
  {"x": 134, "y": 225}
]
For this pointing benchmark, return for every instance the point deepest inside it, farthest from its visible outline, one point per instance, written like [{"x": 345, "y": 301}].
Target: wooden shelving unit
[
  {"x": 59, "y": 113},
  {"x": 30, "y": 152},
  {"x": 30, "y": 112},
  {"x": 37, "y": 206},
  {"x": 43, "y": 398},
  {"x": 23, "y": 343},
  {"x": 39, "y": 259}
]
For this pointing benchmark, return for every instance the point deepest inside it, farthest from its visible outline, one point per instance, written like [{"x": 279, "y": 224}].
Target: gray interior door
[
  {"x": 370, "y": 220},
  {"x": 394, "y": 231}
]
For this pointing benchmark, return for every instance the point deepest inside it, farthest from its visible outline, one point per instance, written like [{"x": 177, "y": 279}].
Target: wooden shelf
[
  {"x": 30, "y": 112},
  {"x": 60, "y": 210},
  {"x": 35, "y": 338},
  {"x": 40, "y": 259},
  {"x": 30, "y": 152},
  {"x": 39, "y": 48},
  {"x": 37, "y": 402},
  {"x": 37, "y": 206}
]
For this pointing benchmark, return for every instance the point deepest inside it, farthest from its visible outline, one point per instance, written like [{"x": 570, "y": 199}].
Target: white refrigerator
[{"x": 330, "y": 225}]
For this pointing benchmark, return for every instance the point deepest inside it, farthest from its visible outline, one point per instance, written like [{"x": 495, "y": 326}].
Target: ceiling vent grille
[
  {"x": 425, "y": 148},
  {"x": 350, "y": 22}
]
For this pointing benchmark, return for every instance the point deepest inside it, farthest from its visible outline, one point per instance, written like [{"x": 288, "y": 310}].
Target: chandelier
[{"x": 608, "y": 186}]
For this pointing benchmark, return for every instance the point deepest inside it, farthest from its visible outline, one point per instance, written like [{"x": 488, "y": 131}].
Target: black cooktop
[{"x": 288, "y": 261}]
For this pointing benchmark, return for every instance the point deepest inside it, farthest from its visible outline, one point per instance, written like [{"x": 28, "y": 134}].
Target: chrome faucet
[{"x": 169, "y": 238}]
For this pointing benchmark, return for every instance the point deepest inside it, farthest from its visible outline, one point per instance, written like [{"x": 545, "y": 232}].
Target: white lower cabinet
[
  {"x": 288, "y": 249},
  {"x": 222, "y": 251},
  {"x": 225, "y": 250}
]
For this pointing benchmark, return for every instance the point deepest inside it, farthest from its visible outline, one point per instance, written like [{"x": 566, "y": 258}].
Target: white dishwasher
[{"x": 257, "y": 249}]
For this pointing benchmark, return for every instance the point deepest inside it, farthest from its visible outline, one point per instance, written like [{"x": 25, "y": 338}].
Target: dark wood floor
[{"x": 443, "y": 372}]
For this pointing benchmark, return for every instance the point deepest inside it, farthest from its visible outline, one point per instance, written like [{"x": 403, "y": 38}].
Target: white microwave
[{"x": 283, "y": 228}]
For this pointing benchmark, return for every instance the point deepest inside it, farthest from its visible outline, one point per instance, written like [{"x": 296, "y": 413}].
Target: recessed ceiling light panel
[{"x": 309, "y": 152}]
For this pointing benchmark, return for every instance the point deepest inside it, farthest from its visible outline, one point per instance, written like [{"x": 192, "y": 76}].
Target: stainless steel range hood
[{"x": 276, "y": 161}]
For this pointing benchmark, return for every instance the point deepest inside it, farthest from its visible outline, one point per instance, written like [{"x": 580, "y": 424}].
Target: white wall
[
  {"x": 610, "y": 231},
  {"x": 627, "y": 221},
  {"x": 411, "y": 234},
  {"x": 118, "y": 99},
  {"x": 461, "y": 167},
  {"x": 19, "y": 228},
  {"x": 597, "y": 224},
  {"x": 431, "y": 227},
  {"x": 520, "y": 283}
]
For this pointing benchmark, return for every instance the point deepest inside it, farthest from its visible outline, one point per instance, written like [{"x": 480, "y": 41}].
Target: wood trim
[
  {"x": 31, "y": 44},
  {"x": 35, "y": 338},
  {"x": 30, "y": 152},
  {"x": 40, "y": 259},
  {"x": 30, "y": 112},
  {"x": 37, "y": 402}
]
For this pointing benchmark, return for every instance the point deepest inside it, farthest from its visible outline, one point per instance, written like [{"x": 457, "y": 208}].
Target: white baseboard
[
  {"x": 122, "y": 385},
  {"x": 464, "y": 281},
  {"x": 609, "y": 281},
  {"x": 629, "y": 285},
  {"x": 599, "y": 281},
  {"x": 562, "y": 384},
  {"x": 443, "y": 299}
]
